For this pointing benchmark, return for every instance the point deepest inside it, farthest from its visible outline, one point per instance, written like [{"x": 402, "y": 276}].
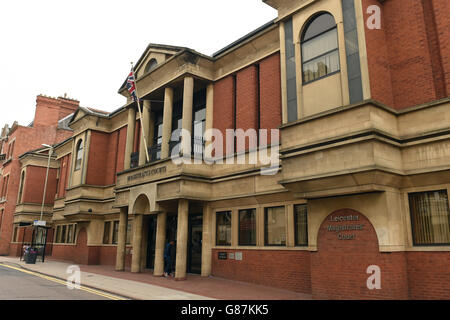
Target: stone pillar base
[{"x": 181, "y": 279}]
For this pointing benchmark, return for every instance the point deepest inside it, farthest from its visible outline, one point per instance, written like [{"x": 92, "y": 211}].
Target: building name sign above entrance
[
  {"x": 345, "y": 223},
  {"x": 147, "y": 173}
]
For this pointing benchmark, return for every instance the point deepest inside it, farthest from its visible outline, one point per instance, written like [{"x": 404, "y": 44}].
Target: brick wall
[
  {"x": 270, "y": 94},
  {"x": 64, "y": 171},
  {"x": 50, "y": 110},
  {"x": 338, "y": 268},
  {"x": 44, "y": 130},
  {"x": 429, "y": 275},
  {"x": 223, "y": 117},
  {"x": 122, "y": 141},
  {"x": 247, "y": 113},
  {"x": 258, "y": 105},
  {"x": 441, "y": 8},
  {"x": 98, "y": 152},
  {"x": 80, "y": 253},
  {"x": 13, "y": 169},
  {"x": 106, "y": 157},
  {"x": 102, "y": 255},
  {"x": 33, "y": 190},
  {"x": 283, "y": 269},
  {"x": 108, "y": 254},
  {"x": 409, "y": 57}
]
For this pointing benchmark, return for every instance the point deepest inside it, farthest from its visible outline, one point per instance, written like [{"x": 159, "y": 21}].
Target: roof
[
  {"x": 36, "y": 152},
  {"x": 247, "y": 36},
  {"x": 64, "y": 122}
]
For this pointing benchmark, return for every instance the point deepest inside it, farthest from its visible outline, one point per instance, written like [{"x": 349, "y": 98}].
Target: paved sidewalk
[
  {"x": 126, "y": 288},
  {"x": 145, "y": 286}
]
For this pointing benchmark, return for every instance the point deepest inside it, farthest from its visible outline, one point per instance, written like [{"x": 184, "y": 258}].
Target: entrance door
[
  {"x": 151, "y": 242},
  {"x": 194, "y": 264}
]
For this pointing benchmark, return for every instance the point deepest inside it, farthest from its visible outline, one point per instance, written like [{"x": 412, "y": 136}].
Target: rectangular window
[
  {"x": 430, "y": 218},
  {"x": 129, "y": 232},
  {"x": 63, "y": 234},
  {"x": 247, "y": 227},
  {"x": 1, "y": 219},
  {"x": 15, "y": 233},
  {"x": 74, "y": 233},
  {"x": 223, "y": 228},
  {"x": 199, "y": 127},
  {"x": 12, "y": 149},
  {"x": 58, "y": 234},
  {"x": 275, "y": 226},
  {"x": 158, "y": 136},
  {"x": 106, "y": 232},
  {"x": 5, "y": 190},
  {"x": 70, "y": 233},
  {"x": 301, "y": 225},
  {"x": 115, "y": 236}
]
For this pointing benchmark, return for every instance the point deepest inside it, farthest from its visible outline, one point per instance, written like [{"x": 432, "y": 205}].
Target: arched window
[
  {"x": 150, "y": 65},
  {"x": 79, "y": 155},
  {"x": 320, "y": 52}
]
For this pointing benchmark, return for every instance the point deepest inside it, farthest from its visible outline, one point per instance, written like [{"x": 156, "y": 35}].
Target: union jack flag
[{"x": 131, "y": 86}]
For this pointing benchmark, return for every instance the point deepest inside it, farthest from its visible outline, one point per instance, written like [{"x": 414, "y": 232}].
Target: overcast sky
[{"x": 84, "y": 47}]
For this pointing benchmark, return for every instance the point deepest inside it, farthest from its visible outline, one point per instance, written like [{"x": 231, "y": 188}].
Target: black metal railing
[{"x": 154, "y": 153}]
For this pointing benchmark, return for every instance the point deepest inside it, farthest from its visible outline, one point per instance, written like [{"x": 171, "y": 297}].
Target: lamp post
[
  {"x": 50, "y": 152},
  {"x": 36, "y": 233}
]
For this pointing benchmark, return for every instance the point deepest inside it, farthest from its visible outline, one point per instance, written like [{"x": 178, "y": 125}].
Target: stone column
[
  {"x": 188, "y": 104},
  {"x": 122, "y": 240},
  {"x": 182, "y": 239},
  {"x": 167, "y": 122},
  {"x": 137, "y": 243},
  {"x": 206, "y": 241},
  {"x": 146, "y": 124},
  {"x": 209, "y": 115},
  {"x": 130, "y": 137},
  {"x": 160, "y": 244}
]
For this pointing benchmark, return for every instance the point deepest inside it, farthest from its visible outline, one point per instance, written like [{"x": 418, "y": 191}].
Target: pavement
[
  {"x": 145, "y": 286},
  {"x": 19, "y": 284}
]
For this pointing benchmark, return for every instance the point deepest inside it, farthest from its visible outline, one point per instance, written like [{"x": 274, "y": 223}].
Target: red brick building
[
  {"x": 360, "y": 96},
  {"x": 48, "y": 127}
]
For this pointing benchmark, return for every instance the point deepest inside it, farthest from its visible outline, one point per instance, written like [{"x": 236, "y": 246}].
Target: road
[{"x": 19, "y": 284}]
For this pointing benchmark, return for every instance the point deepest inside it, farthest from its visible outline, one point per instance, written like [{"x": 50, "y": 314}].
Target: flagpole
[{"x": 140, "y": 114}]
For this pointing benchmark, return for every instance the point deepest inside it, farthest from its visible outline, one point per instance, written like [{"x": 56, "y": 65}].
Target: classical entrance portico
[{"x": 191, "y": 232}]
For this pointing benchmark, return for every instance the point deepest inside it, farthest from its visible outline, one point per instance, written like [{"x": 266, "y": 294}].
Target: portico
[{"x": 191, "y": 232}]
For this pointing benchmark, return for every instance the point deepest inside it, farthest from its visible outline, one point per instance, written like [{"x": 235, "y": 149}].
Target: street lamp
[{"x": 50, "y": 152}]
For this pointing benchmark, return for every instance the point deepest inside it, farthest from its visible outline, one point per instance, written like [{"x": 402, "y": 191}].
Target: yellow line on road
[{"x": 99, "y": 293}]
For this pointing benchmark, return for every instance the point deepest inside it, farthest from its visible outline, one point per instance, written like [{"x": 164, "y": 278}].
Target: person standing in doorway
[
  {"x": 173, "y": 255},
  {"x": 168, "y": 258}
]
